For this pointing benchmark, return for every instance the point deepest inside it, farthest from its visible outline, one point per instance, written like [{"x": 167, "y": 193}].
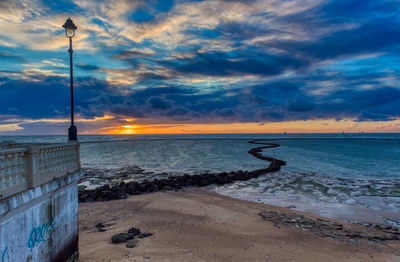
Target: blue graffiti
[
  {"x": 40, "y": 234},
  {"x": 3, "y": 255}
]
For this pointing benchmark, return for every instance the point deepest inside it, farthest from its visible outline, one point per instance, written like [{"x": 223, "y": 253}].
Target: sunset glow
[{"x": 309, "y": 126}]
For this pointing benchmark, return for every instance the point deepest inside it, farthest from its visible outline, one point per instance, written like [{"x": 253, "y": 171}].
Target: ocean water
[{"x": 354, "y": 177}]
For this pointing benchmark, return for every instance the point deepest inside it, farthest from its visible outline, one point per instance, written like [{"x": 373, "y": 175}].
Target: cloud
[
  {"x": 300, "y": 104},
  {"x": 131, "y": 54},
  {"x": 176, "y": 62},
  {"x": 158, "y": 103},
  {"x": 87, "y": 67},
  {"x": 12, "y": 57}
]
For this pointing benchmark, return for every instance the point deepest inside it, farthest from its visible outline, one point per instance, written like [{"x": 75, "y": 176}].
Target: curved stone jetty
[{"x": 122, "y": 190}]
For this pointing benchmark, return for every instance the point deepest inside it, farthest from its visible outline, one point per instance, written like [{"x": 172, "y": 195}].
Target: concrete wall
[{"x": 41, "y": 224}]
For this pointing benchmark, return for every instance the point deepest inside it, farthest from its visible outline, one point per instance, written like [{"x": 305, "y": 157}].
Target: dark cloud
[
  {"x": 87, "y": 67},
  {"x": 129, "y": 54},
  {"x": 231, "y": 64},
  {"x": 300, "y": 104},
  {"x": 158, "y": 103},
  {"x": 11, "y": 57},
  {"x": 277, "y": 101}
]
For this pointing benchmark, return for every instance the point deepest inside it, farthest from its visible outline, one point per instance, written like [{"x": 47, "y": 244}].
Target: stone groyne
[{"x": 122, "y": 190}]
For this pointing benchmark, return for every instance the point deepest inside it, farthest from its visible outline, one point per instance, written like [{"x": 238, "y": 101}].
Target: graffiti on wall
[
  {"x": 3, "y": 255},
  {"x": 40, "y": 234}
]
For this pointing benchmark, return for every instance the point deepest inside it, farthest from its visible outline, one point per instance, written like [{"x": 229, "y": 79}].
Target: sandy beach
[{"x": 198, "y": 225}]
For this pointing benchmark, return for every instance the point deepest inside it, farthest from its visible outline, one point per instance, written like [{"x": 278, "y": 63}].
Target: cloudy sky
[{"x": 201, "y": 66}]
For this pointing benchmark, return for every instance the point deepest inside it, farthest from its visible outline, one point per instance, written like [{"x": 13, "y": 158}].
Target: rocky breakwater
[
  {"x": 122, "y": 190},
  {"x": 332, "y": 229}
]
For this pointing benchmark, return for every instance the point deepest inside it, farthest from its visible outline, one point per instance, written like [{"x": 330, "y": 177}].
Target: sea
[{"x": 352, "y": 177}]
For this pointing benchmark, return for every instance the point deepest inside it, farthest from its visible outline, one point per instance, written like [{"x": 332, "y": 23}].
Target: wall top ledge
[{"x": 14, "y": 201}]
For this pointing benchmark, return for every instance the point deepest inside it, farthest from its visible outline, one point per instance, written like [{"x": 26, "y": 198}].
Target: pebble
[{"x": 130, "y": 244}]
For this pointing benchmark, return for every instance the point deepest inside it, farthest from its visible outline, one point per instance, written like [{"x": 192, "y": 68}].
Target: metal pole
[
  {"x": 72, "y": 131},
  {"x": 71, "y": 74}
]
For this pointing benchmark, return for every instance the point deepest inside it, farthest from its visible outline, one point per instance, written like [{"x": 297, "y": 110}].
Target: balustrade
[
  {"x": 56, "y": 159},
  {"x": 12, "y": 168},
  {"x": 33, "y": 165}
]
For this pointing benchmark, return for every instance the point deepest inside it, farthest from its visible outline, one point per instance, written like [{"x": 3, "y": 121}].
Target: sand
[{"x": 198, "y": 225}]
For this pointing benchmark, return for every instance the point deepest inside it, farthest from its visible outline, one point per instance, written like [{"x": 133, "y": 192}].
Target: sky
[{"x": 233, "y": 66}]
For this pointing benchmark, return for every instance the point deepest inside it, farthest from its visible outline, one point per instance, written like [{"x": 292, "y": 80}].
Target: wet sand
[{"x": 198, "y": 225}]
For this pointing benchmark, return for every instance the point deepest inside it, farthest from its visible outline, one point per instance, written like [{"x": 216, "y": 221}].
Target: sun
[{"x": 127, "y": 130}]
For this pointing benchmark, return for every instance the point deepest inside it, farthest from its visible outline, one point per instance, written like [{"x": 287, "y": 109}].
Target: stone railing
[
  {"x": 28, "y": 166},
  {"x": 13, "y": 167}
]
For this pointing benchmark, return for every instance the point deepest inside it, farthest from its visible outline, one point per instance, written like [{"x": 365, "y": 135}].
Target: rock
[
  {"x": 100, "y": 225},
  {"x": 143, "y": 235},
  {"x": 150, "y": 189},
  {"x": 219, "y": 178},
  {"x": 121, "y": 238},
  {"x": 82, "y": 196},
  {"x": 105, "y": 187},
  {"x": 89, "y": 199},
  {"x": 135, "y": 231},
  {"x": 130, "y": 243},
  {"x": 122, "y": 196},
  {"x": 106, "y": 194},
  {"x": 96, "y": 229},
  {"x": 188, "y": 182}
]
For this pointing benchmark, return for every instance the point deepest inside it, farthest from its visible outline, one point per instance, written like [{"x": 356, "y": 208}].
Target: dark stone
[
  {"x": 142, "y": 188},
  {"x": 135, "y": 231},
  {"x": 203, "y": 182},
  {"x": 105, "y": 187},
  {"x": 219, "y": 179},
  {"x": 106, "y": 194},
  {"x": 89, "y": 199},
  {"x": 130, "y": 244},
  {"x": 188, "y": 182},
  {"x": 115, "y": 195},
  {"x": 122, "y": 196},
  {"x": 143, "y": 235},
  {"x": 121, "y": 238},
  {"x": 115, "y": 188},
  {"x": 82, "y": 196},
  {"x": 100, "y": 225},
  {"x": 94, "y": 194}
]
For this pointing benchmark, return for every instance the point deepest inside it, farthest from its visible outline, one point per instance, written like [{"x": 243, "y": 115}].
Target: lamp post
[{"x": 70, "y": 28}]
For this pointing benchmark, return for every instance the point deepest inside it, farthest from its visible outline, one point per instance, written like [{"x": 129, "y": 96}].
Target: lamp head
[{"x": 70, "y": 28}]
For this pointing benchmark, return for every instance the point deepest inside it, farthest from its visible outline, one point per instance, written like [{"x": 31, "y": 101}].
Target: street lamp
[{"x": 70, "y": 28}]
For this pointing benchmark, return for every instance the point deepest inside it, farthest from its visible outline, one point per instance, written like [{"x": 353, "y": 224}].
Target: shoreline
[
  {"x": 109, "y": 190},
  {"x": 121, "y": 190},
  {"x": 199, "y": 225}
]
